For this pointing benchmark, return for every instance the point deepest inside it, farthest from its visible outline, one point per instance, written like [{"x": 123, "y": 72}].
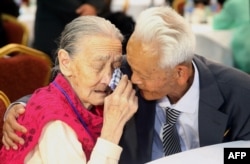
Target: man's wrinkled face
[
  {"x": 154, "y": 82},
  {"x": 92, "y": 68}
]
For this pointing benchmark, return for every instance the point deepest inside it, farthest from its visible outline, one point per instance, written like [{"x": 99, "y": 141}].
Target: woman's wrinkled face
[{"x": 90, "y": 70}]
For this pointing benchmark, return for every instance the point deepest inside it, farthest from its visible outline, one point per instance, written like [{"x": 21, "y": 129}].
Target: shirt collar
[{"x": 189, "y": 101}]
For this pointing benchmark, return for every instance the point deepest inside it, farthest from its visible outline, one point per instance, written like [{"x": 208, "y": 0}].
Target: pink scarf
[{"x": 57, "y": 101}]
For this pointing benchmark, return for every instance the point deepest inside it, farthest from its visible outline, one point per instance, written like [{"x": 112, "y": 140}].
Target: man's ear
[
  {"x": 64, "y": 62},
  {"x": 182, "y": 73}
]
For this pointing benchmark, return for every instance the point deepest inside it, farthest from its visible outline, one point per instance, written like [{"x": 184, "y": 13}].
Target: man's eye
[
  {"x": 117, "y": 65},
  {"x": 98, "y": 67}
]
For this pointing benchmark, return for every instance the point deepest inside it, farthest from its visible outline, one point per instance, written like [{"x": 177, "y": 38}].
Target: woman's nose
[{"x": 107, "y": 78}]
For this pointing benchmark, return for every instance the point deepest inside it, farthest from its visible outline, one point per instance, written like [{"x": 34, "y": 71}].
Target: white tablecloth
[
  {"x": 213, "y": 44},
  {"x": 213, "y": 154}
]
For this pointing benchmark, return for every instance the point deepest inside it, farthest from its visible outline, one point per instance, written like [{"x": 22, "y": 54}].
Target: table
[
  {"x": 213, "y": 154},
  {"x": 213, "y": 44}
]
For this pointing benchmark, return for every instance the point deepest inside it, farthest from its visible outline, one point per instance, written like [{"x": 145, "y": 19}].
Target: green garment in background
[
  {"x": 241, "y": 47},
  {"x": 235, "y": 15}
]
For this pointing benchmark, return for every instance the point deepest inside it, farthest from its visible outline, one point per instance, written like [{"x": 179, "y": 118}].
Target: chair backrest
[
  {"x": 4, "y": 103},
  {"x": 16, "y": 31},
  {"x": 24, "y": 71}
]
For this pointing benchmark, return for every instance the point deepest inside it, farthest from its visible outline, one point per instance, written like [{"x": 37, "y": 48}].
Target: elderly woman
[{"x": 76, "y": 118}]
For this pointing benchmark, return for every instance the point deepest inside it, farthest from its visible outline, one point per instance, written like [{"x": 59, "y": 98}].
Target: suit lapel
[
  {"x": 212, "y": 122},
  {"x": 137, "y": 138},
  {"x": 145, "y": 128},
  {"x": 129, "y": 143}
]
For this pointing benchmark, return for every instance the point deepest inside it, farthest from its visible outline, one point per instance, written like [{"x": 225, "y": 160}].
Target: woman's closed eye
[{"x": 97, "y": 66}]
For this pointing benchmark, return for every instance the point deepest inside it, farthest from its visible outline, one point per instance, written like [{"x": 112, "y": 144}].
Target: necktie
[{"x": 171, "y": 143}]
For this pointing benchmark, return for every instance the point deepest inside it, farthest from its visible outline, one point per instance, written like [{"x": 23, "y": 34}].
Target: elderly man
[{"x": 183, "y": 98}]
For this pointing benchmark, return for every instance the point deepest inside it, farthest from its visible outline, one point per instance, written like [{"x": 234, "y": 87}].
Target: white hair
[{"x": 164, "y": 32}]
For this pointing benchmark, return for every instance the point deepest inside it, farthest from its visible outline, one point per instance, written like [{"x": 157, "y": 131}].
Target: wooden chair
[
  {"x": 23, "y": 70},
  {"x": 17, "y": 32},
  {"x": 4, "y": 103}
]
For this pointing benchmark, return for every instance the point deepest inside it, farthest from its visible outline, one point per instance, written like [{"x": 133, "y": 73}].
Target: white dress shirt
[{"x": 187, "y": 122}]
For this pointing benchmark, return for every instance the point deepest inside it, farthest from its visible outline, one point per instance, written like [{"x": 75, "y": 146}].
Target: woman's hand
[
  {"x": 10, "y": 138},
  {"x": 119, "y": 107}
]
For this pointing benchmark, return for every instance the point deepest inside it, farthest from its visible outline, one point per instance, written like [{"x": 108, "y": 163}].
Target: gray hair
[
  {"x": 167, "y": 33},
  {"x": 82, "y": 28}
]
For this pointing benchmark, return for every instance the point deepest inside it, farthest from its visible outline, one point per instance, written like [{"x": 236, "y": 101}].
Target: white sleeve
[
  {"x": 58, "y": 144},
  {"x": 10, "y": 106},
  {"x": 105, "y": 152}
]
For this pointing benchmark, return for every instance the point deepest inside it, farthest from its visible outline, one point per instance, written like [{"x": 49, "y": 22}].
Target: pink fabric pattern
[{"x": 49, "y": 104}]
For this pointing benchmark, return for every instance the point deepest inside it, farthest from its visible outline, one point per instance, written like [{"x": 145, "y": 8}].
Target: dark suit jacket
[{"x": 224, "y": 112}]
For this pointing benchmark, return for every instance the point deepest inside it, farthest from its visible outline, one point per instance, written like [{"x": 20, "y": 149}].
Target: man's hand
[
  {"x": 10, "y": 138},
  {"x": 86, "y": 9}
]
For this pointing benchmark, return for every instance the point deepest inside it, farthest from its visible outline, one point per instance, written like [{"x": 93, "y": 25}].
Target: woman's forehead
[
  {"x": 98, "y": 47},
  {"x": 106, "y": 57},
  {"x": 100, "y": 40},
  {"x": 101, "y": 43}
]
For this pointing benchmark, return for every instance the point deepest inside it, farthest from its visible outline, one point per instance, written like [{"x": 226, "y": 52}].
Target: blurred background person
[
  {"x": 220, "y": 4},
  {"x": 3, "y": 37},
  {"x": 8, "y": 7},
  {"x": 201, "y": 11},
  {"x": 134, "y": 8},
  {"x": 52, "y": 15},
  {"x": 235, "y": 15}
]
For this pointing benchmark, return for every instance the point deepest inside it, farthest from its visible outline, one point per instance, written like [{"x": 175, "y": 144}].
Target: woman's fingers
[{"x": 121, "y": 85}]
